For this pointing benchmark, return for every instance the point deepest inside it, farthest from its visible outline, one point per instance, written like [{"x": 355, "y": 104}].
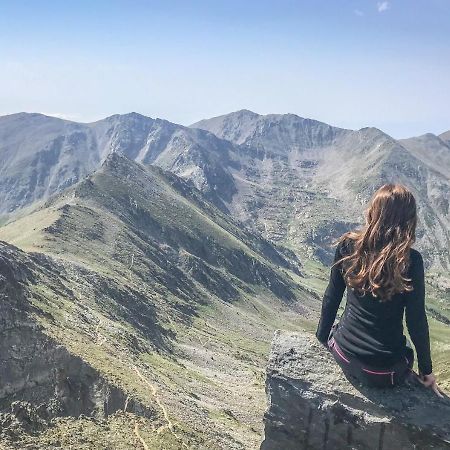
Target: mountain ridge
[
  {"x": 299, "y": 182},
  {"x": 330, "y": 172},
  {"x": 162, "y": 282},
  {"x": 157, "y": 290},
  {"x": 253, "y": 124},
  {"x": 44, "y": 155}
]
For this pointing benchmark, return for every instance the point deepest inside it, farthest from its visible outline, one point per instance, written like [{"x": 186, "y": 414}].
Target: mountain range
[
  {"x": 298, "y": 182},
  {"x": 145, "y": 265},
  {"x": 144, "y": 297},
  {"x": 319, "y": 177}
]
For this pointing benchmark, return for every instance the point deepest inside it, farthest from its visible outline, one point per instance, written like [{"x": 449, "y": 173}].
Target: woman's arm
[
  {"x": 331, "y": 299},
  {"x": 416, "y": 317}
]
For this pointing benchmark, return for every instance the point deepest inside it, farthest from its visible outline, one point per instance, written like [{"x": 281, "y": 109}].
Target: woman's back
[
  {"x": 372, "y": 330},
  {"x": 384, "y": 278}
]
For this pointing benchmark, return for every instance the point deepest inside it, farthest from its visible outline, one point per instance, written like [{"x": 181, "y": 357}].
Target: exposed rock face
[
  {"x": 313, "y": 406},
  {"x": 41, "y": 155},
  {"x": 445, "y": 136},
  {"x": 298, "y": 178},
  {"x": 295, "y": 180},
  {"x": 129, "y": 261},
  {"x": 274, "y": 134},
  {"x": 40, "y": 379}
]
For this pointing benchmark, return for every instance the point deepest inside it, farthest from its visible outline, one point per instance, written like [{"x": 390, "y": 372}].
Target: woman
[{"x": 384, "y": 278}]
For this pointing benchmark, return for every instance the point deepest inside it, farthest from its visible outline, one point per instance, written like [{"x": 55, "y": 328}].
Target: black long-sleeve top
[{"x": 371, "y": 330}]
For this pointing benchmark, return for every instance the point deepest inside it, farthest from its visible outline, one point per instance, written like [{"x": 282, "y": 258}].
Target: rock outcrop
[
  {"x": 313, "y": 406},
  {"x": 39, "y": 378}
]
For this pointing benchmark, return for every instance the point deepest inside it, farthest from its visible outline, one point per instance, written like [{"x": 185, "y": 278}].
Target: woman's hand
[{"x": 430, "y": 381}]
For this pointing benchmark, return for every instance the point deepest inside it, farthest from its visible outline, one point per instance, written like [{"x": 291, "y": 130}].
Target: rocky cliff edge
[{"x": 313, "y": 406}]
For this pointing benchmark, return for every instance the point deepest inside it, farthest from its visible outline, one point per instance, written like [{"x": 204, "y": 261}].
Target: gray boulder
[{"x": 313, "y": 406}]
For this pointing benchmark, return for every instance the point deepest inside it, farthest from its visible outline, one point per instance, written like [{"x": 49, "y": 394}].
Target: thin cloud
[
  {"x": 358, "y": 12},
  {"x": 383, "y": 6}
]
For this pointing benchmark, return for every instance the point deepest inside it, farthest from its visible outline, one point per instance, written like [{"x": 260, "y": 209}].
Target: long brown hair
[{"x": 378, "y": 259}]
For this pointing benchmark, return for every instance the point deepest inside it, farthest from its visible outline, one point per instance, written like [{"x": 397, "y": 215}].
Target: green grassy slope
[
  {"x": 165, "y": 296},
  {"x": 173, "y": 302}
]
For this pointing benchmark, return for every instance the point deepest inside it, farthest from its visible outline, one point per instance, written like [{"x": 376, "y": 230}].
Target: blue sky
[{"x": 347, "y": 63}]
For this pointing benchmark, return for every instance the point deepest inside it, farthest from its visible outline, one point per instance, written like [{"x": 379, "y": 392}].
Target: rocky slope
[
  {"x": 41, "y": 379},
  {"x": 301, "y": 181},
  {"x": 297, "y": 181},
  {"x": 312, "y": 405},
  {"x": 144, "y": 307},
  {"x": 445, "y": 136},
  {"x": 42, "y": 155},
  {"x": 432, "y": 150},
  {"x": 147, "y": 289}
]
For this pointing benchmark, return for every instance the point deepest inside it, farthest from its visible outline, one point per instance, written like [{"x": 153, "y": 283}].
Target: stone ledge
[{"x": 313, "y": 406}]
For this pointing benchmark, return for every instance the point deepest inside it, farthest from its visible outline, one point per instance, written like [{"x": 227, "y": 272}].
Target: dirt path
[
  {"x": 138, "y": 435},
  {"x": 169, "y": 425}
]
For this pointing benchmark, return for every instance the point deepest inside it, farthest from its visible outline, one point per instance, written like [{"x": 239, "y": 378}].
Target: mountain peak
[
  {"x": 114, "y": 158},
  {"x": 251, "y": 129},
  {"x": 116, "y": 162},
  {"x": 429, "y": 140},
  {"x": 27, "y": 116},
  {"x": 127, "y": 116},
  {"x": 243, "y": 112},
  {"x": 235, "y": 115}
]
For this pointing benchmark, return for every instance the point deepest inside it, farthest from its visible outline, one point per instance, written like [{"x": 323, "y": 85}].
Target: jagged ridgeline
[
  {"x": 148, "y": 264},
  {"x": 142, "y": 304},
  {"x": 297, "y": 181},
  {"x": 303, "y": 182}
]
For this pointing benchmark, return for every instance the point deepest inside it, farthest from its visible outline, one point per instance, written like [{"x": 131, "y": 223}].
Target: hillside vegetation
[
  {"x": 164, "y": 297},
  {"x": 144, "y": 267}
]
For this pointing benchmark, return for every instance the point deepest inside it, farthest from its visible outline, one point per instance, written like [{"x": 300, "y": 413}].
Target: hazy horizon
[{"x": 351, "y": 64}]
